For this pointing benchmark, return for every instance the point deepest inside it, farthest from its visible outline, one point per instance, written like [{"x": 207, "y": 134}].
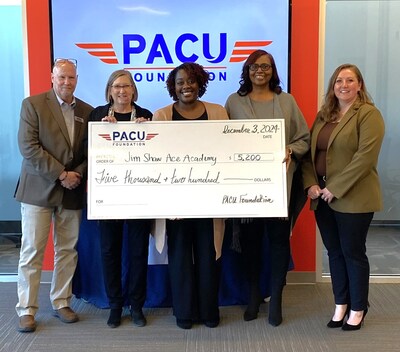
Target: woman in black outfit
[
  {"x": 194, "y": 245},
  {"x": 121, "y": 94},
  {"x": 260, "y": 96}
]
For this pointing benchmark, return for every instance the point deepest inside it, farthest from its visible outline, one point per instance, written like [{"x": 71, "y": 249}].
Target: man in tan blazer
[{"x": 51, "y": 190}]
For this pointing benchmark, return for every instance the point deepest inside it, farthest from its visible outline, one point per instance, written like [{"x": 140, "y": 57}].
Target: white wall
[
  {"x": 11, "y": 93},
  {"x": 367, "y": 33}
]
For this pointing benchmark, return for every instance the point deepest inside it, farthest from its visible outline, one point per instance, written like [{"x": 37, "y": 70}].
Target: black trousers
[
  {"x": 344, "y": 236},
  {"x": 193, "y": 269},
  {"x": 251, "y": 239},
  {"x": 111, "y": 237}
]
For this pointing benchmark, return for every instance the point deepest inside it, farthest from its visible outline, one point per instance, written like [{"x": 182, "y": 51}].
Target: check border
[{"x": 187, "y": 169}]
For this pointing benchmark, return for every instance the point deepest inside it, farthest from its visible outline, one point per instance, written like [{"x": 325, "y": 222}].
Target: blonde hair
[{"x": 330, "y": 108}]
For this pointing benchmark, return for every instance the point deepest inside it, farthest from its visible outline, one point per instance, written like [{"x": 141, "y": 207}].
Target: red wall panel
[{"x": 304, "y": 87}]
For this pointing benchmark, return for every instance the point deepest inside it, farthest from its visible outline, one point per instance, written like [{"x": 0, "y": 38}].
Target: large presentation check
[{"x": 182, "y": 169}]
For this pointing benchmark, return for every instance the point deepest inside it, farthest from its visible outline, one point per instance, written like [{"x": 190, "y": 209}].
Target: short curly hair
[{"x": 193, "y": 70}]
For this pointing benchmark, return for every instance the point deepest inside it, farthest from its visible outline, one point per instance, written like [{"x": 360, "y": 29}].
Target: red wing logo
[
  {"x": 151, "y": 136},
  {"x": 244, "y": 48},
  {"x": 106, "y": 136},
  {"x": 104, "y": 51}
]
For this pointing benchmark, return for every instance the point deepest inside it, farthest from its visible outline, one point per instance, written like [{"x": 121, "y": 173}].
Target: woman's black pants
[
  {"x": 193, "y": 269},
  {"x": 344, "y": 236},
  {"x": 111, "y": 237}
]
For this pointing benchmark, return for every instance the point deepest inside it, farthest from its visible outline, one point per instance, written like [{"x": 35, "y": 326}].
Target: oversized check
[{"x": 183, "y": 169}]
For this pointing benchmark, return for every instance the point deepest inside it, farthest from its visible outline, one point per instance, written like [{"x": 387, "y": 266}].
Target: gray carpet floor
[{"x": 307, "y": 308}]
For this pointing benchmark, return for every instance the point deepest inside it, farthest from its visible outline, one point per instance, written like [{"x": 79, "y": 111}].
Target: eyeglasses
[
  {"x": 62, "y": 60},
  {"x": 119, "y": 87},
  {"x": 255, "y": 67}
]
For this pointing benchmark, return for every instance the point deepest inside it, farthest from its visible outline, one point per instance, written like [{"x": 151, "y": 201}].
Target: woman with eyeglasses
[
  {"x": 121, "y": 94},
  {"x": 260, "y": 96}
]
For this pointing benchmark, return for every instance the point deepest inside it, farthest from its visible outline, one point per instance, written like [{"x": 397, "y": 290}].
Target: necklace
[{"x": 133, "y": 113}]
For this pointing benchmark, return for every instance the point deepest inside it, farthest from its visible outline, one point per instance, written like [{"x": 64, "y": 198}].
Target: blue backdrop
[{"x": 88, "y": 281}]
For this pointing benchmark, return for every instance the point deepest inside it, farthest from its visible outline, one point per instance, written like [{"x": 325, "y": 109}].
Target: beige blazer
[{"x": 46, "y": 151}]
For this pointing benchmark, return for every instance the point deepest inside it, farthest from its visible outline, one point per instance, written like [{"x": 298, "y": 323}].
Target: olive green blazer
[{"x": 351, "y": 160}]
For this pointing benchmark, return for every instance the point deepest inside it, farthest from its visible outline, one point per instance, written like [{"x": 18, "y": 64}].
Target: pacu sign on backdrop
[{"x": 151, "y": 38}]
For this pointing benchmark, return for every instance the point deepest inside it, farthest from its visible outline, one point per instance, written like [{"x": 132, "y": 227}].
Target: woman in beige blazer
[
  {"x": 341, "y": 178},
  {"x": 194, "y": 245}
]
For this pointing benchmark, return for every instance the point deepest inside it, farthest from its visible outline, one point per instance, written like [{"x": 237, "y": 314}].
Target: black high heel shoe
[
  {"x": 338, "y": 324},
  {"x": 348, "y": 327}
]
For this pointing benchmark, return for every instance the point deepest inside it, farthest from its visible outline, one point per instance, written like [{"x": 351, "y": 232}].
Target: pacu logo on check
[{"x": 123, "y": 136}]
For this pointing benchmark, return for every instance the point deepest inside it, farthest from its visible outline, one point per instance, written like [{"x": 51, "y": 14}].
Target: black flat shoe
[
  {"x": 250, "y": 315},
  {"x": 184, "y": 323},
  {"x": 348, "y": 327},
  {"x": 138, "y": 318},
  {"x": 211, "y": 323},
  {"x": 338, "y": 324},
  {"x": 114, "y": 320}
]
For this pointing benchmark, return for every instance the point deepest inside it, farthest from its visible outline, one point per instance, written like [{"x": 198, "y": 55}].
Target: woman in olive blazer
[{"x": 341, "y": 178}]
